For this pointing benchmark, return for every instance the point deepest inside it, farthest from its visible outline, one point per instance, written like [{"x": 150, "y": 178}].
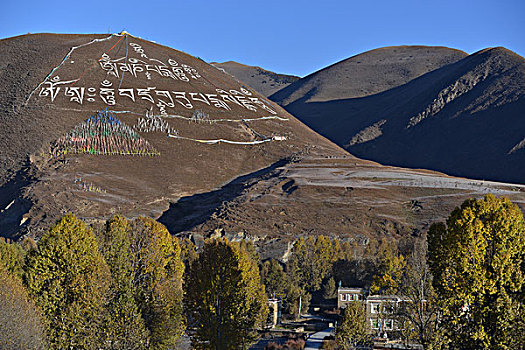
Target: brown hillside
[
  {"x": 368, "y": 73},
  {"x": 343, "y": 197},
  {"x": 176, "y": 126},
  {"x": 207, "y": 157},
  {"x": 463, "y": 119},
  {"x": 263, "y": 81}
]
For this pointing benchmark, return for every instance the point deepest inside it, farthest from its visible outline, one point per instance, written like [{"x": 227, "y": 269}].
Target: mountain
[
  {"x": 368, "y": 73},
  {"x": 113, "y": 124},
  {"x": 464, "y": 118},
  {"x": 263, "y": 81},
  {"x": 104, "y": 124}
]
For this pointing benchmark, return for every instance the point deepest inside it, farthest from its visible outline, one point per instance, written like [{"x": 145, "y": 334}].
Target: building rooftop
[
  {"x": 346, "y": 289},
  {"x": 386, "y": 298}
]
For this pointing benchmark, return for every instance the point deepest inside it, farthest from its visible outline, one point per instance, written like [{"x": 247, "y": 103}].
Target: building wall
[{"x": 378, "y": 308}]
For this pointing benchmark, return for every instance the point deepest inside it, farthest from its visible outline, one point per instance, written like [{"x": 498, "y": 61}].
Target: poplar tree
[
  {"x": 419, "y": 314},
  {"x": 124, "y": 325},
  {"x": 156, "y": 276},
  {"x": 225, "y": 299},
  {"x": 12, "y": 257},
  {"x": 390, "y": 269},
  {"x": 21, "y": 325},
  {"x": 477, "y": 263},
  {"x": 311, "y": 261},
  {"x": 354, "y": 328},
  {"x": 274, "y": 278},
  {"x": 69, "y": 279}
]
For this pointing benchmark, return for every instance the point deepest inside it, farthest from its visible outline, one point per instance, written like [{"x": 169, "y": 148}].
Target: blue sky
[{"x": 286, "y": 36}]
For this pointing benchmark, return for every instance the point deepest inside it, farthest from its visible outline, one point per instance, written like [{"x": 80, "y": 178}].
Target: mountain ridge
[
  {"x": 264, "y": 81},
  {"x": 217, "y": 160},
  {"x": 368, "y": 73},
  {"x": 426, "y": 123}
]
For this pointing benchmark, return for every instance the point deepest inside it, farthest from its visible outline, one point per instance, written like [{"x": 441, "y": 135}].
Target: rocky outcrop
[
  {"x": 369, "y": 133},
  {"x": 460, "y": 87}
]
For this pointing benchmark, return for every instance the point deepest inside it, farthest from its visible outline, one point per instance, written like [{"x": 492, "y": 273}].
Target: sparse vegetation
[{"x": 120, "y": 286}]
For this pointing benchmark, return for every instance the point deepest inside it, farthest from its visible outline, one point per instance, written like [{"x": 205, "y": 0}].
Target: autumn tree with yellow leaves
[
  {"x": 69, "y": 279},
  {"x": 145, "y": 304},
  {"x": 477, "y": 260},
  {"x": 390, "y": 269},
  {"x": 225, "y": 299},
  {"x": 21, "y": 324}
]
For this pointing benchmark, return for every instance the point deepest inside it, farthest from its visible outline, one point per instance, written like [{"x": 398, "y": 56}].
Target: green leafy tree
[
  {"x": 188, "y": 251},
  {"x": 354, "y": 328},
  {"x": 68, "y": 278},
  {"x": 12, "y": 257},
  {"x": 157, "y": 273},
  {"x": 297, "y": 300},
  {"x": 145, "y": 306},
  {"x": 124, "y": 325},
  {"x": 310, "y": 262},
  {"x": 330, "y": 289},
  {"x": 21, "y": 325},
  {"x": 477, "y": 261},
  {"x": 274, "y": 278},
  {"x": 224, "y": 297}
]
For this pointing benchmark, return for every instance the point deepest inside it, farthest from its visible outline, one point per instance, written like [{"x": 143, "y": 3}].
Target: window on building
[
  {"x": 389, "y": 324},
  {"x": 350, "y": 297},
  {"x": 374, "y": 308},
  {"x": 374, "y": 324},
  {"x": 343, "y": 297},
  {"x": 359, "y": 297},
  {"x": 389, "y": 308}
]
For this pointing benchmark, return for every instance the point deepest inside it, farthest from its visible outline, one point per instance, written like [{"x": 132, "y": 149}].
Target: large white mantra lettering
[
  {"x": 161, "y": 98},
  {"x": 146, "y": 65}
]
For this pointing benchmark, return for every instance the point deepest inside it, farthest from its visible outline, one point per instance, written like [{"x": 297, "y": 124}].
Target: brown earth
[
  {"x": 343, "y": 197},
  {"x": 32, "y": 118},
  {"x": 459, "y": 115},
  {"x": 262, "y": 80},
  {"x": 368, "y": 73},
  {"x": 297, "y": 183}
]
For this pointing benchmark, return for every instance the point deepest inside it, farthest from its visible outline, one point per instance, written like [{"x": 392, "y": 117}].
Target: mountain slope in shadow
[
  {"x": 262, "y": 80},
  {"x": 464, "y": 119}
]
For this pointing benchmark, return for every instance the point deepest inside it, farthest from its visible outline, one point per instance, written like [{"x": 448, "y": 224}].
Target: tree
[
  {"x": 124, "y": 326},
  {"x": 224, "y": 297},
  {"x": 389, "y": 272},
  {"x": 419, "y": 314},
  {"x": 477, "y": 261},
  {"x": 145, "y": 304},
  {"x": 21, "y": 325},
  {"x": 330, "y": 289},
  {"x": 12, "y": 257},
  {"x": 310, "y": 262},
  {"x": 297, "y": 300},
  {"x": 188, "y": 251},
  {"x": 157, "y": 274},
  {"x": 354, "y": 328},
  {"x": 68, "y": 278},
  {"x": 274, "y": 278}
]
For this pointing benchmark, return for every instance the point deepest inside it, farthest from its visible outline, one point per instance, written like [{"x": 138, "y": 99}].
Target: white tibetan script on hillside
[{"x": 113, "y": 93}]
